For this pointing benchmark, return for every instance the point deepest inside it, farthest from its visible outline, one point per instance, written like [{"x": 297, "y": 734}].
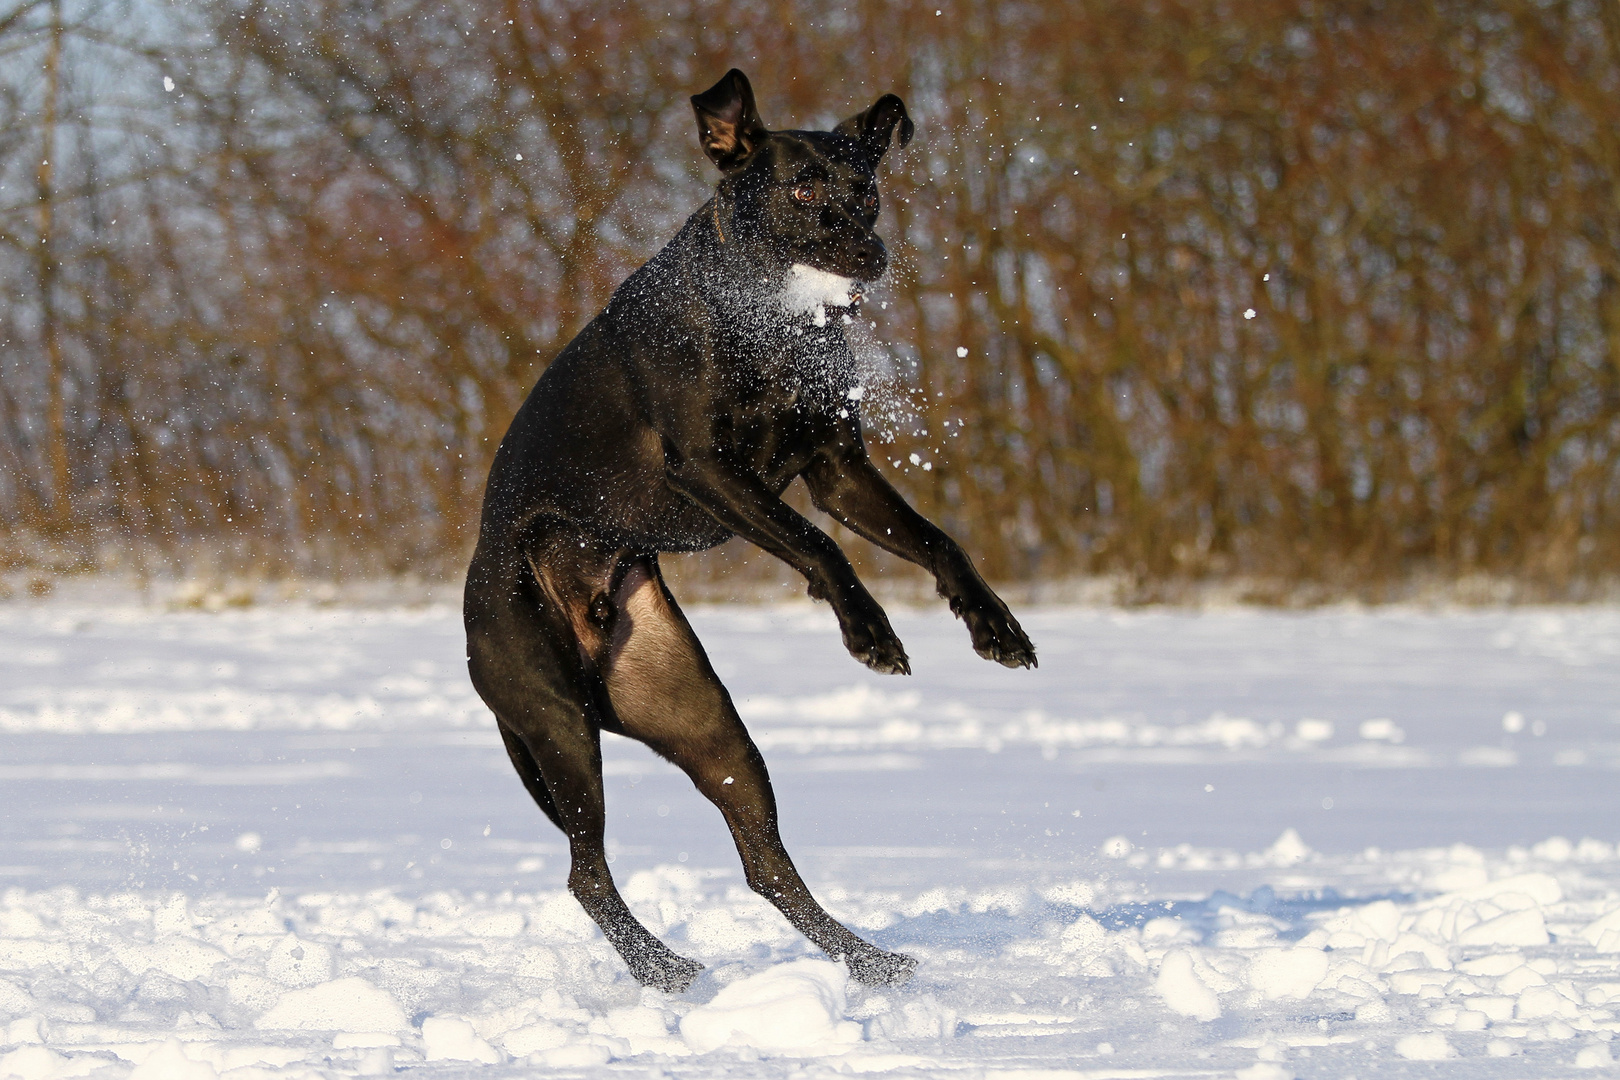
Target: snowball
[
  {"x": 1085, "y": 935},
  {"x": 1286, "y": 973},
  {"x": 1425, "y": 1046},
  {"x": 1515, "y": 928},
  {"x": 1543, "y": 1002},
  {"x": 1314, "y": 730},
  {"x": 1519, "y": 979},
  {"x": 1602, "y": 934},
  {"x": 351, "y": 1004},
  {"x": 452, "y": 1038},
  {"x": 644, "y": 1028},
  {"x": 1183, "y": 991},
  {"x": 796, "y": 1007},
  {"x": 1382, "y": 730}
]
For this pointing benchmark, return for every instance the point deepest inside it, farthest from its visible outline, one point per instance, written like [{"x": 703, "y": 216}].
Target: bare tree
[{"x": 1180, "y": 289}]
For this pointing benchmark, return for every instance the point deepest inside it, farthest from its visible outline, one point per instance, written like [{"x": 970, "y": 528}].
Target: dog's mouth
[{"x": 809, "y": 291}]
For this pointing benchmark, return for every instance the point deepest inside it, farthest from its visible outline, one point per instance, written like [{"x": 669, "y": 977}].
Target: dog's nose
[{"x": 870, "y": 259}]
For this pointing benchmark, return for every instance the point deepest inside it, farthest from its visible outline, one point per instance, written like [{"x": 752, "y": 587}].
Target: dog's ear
[
  {"x": 728, "y": 124},
  {"x": 873, "y": 128}
]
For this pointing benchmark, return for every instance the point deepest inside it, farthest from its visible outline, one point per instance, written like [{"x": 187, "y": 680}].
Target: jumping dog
[{"x": 716, "y": 375}]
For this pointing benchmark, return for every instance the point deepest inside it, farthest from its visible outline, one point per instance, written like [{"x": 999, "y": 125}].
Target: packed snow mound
[
  {"x": 1183, "y": 990},
  {"x": 791, "y": 1008},
  {"x": 351, "y": 1004}
]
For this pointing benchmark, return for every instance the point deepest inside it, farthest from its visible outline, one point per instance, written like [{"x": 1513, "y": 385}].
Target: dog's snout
[{"x": 870, "y": 259}]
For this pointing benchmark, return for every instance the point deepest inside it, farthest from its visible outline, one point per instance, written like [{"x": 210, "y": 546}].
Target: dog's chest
[{"x": 801, "y": 369}]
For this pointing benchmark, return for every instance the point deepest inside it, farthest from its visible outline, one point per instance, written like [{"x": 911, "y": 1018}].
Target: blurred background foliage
[{"x": 1184, "y": 289}]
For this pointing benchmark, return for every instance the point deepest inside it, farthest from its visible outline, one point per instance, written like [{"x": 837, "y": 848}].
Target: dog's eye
[
  {"x": 870, "y": 202},
  {"x": 806, "y": 193}
]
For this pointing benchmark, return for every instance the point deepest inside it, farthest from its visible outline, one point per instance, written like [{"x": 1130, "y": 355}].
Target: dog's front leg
[
  {"x": 742, "y": 503},
  {"x": 846, "y": 484}
]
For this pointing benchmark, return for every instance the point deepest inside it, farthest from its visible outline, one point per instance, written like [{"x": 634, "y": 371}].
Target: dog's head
[{"x": 805, "y": 200}]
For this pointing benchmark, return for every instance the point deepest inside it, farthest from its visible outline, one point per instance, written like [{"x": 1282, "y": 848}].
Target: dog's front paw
[
  {"x": 871, "y": 641},
  {"x": 997, "y": 635},
  {"x": 872, "y": 966}
]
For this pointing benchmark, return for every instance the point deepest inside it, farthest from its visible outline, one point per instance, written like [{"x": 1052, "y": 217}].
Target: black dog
[{"x": 713, "y": 378}]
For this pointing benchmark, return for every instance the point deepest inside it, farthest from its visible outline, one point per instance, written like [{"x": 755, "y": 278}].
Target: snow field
[
  {"x": 1470, "y": 957},
  {"x": 1216, "y": 845}
]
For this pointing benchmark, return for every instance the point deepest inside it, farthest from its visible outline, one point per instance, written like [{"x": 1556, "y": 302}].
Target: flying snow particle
[
  {"x": 961, "y": 351},
  {"x": 1382, "y": 729},
  {"x": 915, "y": 460},
  {"x": 1513, "y": 723},
  {"x": 168, "y": 84},
  {"x": 518, "y": 158},
  {"x": 1248, "y": 313}
]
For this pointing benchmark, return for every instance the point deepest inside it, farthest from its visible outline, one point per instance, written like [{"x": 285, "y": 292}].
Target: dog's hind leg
[
  {"x": 665, "y": 694},
  {"x": 529, "y": 772},
  {"x": 532, "y": 666}
]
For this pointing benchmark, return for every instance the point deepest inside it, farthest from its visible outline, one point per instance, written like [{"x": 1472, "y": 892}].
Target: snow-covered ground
[{"x": 285, "y": 841}]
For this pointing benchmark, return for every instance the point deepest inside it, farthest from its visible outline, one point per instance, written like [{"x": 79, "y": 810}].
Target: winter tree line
[{"x": 1182, "y": 288}]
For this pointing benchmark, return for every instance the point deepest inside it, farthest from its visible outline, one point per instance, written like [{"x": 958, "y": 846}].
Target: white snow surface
[{"x": 286, "y": 842}]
